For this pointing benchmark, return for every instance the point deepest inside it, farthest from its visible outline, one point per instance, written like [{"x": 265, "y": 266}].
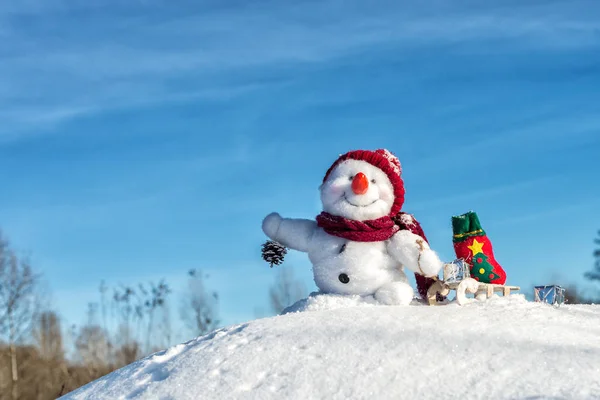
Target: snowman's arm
[
  {"x": 414, "y": 253},
  {"x": 293, "y": 233}
]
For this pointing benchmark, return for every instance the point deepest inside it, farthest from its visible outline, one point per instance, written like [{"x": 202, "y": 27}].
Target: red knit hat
[{"x": 385, "y": 161}]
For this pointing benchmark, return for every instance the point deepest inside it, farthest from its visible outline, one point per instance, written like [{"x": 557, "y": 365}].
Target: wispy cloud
[
  {"x": 49, "y": 110},
  {"x": 494, "y": 191},
  {"x": 552, "y": 212},
  {"x": 539, "y": 131},
  {"x": 65, "y": 59}
]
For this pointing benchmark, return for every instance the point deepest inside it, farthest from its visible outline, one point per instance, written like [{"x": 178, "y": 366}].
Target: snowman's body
[
  {"x": 358, "y": 191},
  {"x": 347, "y": 267}
]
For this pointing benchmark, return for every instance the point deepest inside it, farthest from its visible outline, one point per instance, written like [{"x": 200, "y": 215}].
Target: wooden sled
[{"x": 482, "y": 291}]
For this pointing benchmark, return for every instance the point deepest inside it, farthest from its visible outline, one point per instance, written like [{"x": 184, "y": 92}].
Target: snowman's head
[{"x": 363, "y": 185}]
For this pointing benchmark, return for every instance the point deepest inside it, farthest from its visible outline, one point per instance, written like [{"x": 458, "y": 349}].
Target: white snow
[
  {"x": 345, "y": 347},
  {"x": 407, "y": 219},
  {"x": 394, "y": 161}
]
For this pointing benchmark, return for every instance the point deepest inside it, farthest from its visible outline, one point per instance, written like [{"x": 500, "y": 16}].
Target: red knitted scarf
[{"x": 374, "y": 230}]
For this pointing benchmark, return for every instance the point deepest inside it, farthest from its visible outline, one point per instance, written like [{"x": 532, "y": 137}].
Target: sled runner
[
  {"x": 482, "y": 291},
  {"x": 457, "y": 277}
]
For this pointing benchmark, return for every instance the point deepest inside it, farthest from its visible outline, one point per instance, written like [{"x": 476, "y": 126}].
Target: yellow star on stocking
[{"x": 476, "y": 247}]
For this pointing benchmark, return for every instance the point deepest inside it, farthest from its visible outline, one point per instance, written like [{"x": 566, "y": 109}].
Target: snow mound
[
  {"x": 320, "y": 302},
  {"x": 331, "y": 347}
]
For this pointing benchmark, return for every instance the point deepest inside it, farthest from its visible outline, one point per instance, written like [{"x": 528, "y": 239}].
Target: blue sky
[{"x": 139, "y": 139}]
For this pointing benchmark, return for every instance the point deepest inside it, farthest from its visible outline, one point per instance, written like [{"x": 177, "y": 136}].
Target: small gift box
[
  {"x": 456, "y": 271},
  {"x": 551, "y": 294}
]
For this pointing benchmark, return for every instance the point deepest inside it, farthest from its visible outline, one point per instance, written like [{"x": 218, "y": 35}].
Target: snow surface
[{"x": 336, "y": 347}]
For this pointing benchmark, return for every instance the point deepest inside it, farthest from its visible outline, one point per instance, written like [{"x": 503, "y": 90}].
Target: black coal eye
[
  {"x": 351, "y": 177},
  {"x": 372, "y": 180},
  {"x": 344, "y": 278}
]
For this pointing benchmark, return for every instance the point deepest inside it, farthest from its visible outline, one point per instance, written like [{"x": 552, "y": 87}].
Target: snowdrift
[{"x": 332, "y": 347}]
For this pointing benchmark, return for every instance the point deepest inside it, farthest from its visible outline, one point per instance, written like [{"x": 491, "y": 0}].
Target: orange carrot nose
[{"x": 360, "y": 183}]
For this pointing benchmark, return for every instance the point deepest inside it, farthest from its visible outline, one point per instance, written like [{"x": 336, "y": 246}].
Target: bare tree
[
  {"x": 103, "y": 306},
  {"x": 93, "y": 346},
  {"x": 199, "y": 306},
  {"x": 155, "y": 300},
  {"x": 286, "y": 290},
  {"x": 17, "y": 284},
  {"x": 128, "y": 305},
  {"x": 48, "y": 336},
  {"x": 594, "y": 274},
  {"x": 166, "y": 333},
  {"x": 574, "y": 295}
]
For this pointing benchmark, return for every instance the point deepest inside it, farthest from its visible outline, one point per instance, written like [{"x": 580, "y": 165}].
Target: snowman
[{"x": 361, "y": 242}]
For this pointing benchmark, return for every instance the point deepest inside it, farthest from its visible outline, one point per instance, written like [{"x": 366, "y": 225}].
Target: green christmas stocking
[{"x": 472, "y": 244}]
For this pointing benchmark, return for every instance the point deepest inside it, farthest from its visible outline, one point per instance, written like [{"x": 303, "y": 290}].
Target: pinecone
[{"x": 273, "y": 252}]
